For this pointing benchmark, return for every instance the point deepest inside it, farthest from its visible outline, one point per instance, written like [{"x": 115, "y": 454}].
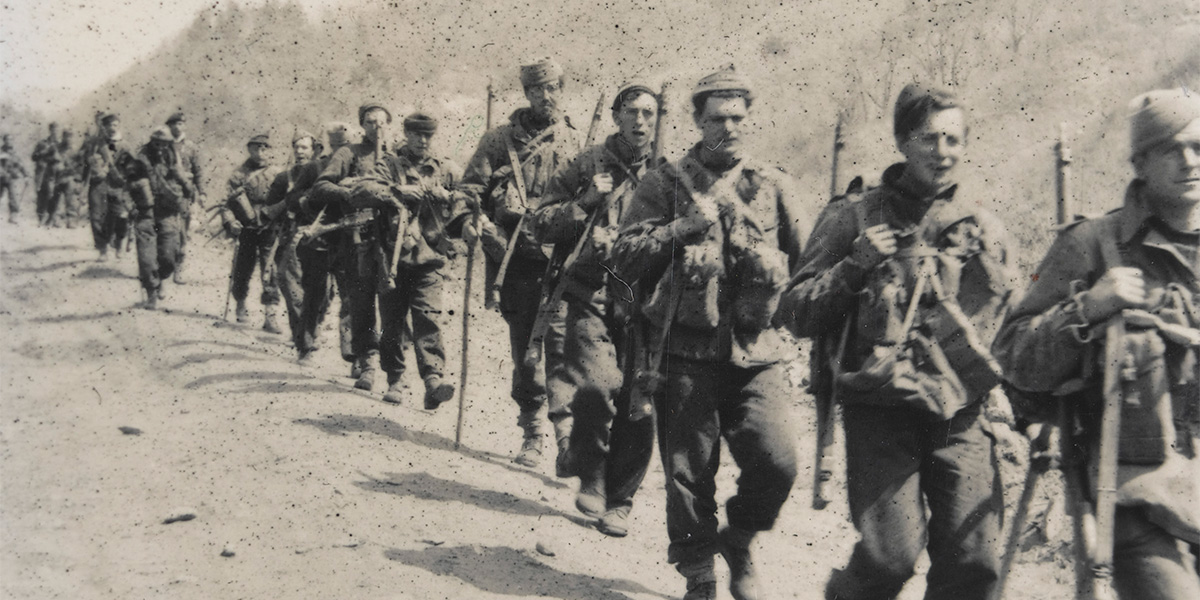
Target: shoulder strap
[
  {"x": 518, "y": 173},
  {"x": 1110, "y": 252}
]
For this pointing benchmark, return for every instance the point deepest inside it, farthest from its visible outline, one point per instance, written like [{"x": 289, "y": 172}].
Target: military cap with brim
[
  {"x": 176, "y": 117},
  {"x": 106, "y": 118},
  {"x": 725, "y": 80},
  {"x": 420, "y": 122},
  {"x": 630, "y": 90},
  {"x": 301, "y": 134},
  {"x": 370, "y": 106},
  {"x": 161, "y": 134},
  {"x": 541, "y": 71},
  {"x": 261, "y": 139},
  {"x": 1156, "y": 116}
]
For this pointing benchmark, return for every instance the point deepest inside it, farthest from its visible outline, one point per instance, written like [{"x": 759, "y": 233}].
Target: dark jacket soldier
[
  {"x": 187, "y": 152},
  {"x": 416, "y": 245},
  {"x": 47, "y": 157},
  {"x": 347, "y": 168},
  {"x": 1140, "y": 261},
  {"x": 159, "y": 191},
  {"x": 915, "y": 279},
  {"x": 257, "y": 236},
  {"x": 508, "y": 175},
  {"x": 714, "y": 236},
  {"x": 11, "y": 169},
  {"x": 108, "y": 201},
  {"x": 604, "y": 444}
]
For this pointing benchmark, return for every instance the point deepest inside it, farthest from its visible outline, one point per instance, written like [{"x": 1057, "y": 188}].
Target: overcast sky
[{"x": 54, "y": 51}]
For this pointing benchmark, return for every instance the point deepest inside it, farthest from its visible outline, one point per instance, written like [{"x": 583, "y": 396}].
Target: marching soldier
[
  {"x": 303, "y": 269},
  {"x": 10, "y": 170},
  {"x": 427, "y": 185},
  {"x": 66, "y": 184},
  {"x": 904, "y": 286},
  {"x": 346, "y": 168},
  {"x": 508, "y": 176},
  {"x": 159, "y": 190},
  {"x": 341, "y": 248},
  {"x": 713, "y": 236},
  {"x": 1139, "y": 261},
  {"x": 46, "y": 158},
  {"x": 187, "y": 152},
  {"x": 108, "y": 200},
  {"x": 607, "y": 448},
  {"x": 257, "y": 237}
]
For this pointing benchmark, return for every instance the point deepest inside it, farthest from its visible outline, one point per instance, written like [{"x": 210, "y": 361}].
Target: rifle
[
  {"x": 466, "y": 312},
  {"x": 597, "y": 115},
  {"x": 824, "y": 398}
]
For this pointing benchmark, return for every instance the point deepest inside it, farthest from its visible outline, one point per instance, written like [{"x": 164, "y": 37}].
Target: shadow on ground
[
  {"x": 341, "y": 424},
  {"x": 277, "y": 376},
  {"x": 100, "y": 272},
  {"x": 510, "y": 572},
  {"x": 424, "y": 486}
]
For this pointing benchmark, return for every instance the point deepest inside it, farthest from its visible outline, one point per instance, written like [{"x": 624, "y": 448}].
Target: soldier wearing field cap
[
  {"x": 257, "y": 236},
  {"x": 159, "y": 190},
  {"x": 187, "y": 152},
  {"x": 46, "y": 161},
  {"x": 108, "y": 200},
  {"x": 711, "y": 239},
  {"x": 427, "y": 186},
  {"x": 1141, "y": 260},
  {"x": 508, "y": 176},
  {"x": 349, "y": 168},
  {"x": 302, "y": 268},
  {"x": 601, "y": 443}
]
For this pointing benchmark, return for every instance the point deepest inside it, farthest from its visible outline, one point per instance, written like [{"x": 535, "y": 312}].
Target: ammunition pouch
[{"x": 243, "y": 211}]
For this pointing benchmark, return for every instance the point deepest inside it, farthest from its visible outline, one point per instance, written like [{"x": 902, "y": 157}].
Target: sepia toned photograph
[{"x": 622, "y": 300}]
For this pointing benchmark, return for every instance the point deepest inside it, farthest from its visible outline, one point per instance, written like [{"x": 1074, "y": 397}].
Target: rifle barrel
[{"x": 594, "y": 127}]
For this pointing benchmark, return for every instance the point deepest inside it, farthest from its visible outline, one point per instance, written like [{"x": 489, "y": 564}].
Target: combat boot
[
  {"x": 151, "y": 302},
  {"x": 437, "y": 391},
  {"x": 366, "y": 377},
  {"x": 305, "y": 358},
  {"x": 591, "y": 500},
  {"x": 615, "y": 522},
  {"x": 356, "y": 367},
  {"x": 243, "y": 313},
  {"x": 701, "y": 579},
  {"x": 395, "y": 391},
  {"x": 269, "y": 323},
  {"x": 178, "y": 276},
  {"x": 531, "y": 448},
  {"x": 735, "y": 546}
]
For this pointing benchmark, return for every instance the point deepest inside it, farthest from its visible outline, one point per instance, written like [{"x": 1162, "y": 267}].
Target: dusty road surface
[{"x": 311, "y": 489}]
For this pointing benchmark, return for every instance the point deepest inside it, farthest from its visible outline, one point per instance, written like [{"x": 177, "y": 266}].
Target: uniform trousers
[
  {"x": 157, "y": 248},
  {"x": 520, "y": 299},
  {"x": 256, "y": 245},
  {"x": 707, "y": 401},
  {"x": 899, "y": 461},
  {"x": 108, "y": 211},
  {"x": 604, "y": 440}
]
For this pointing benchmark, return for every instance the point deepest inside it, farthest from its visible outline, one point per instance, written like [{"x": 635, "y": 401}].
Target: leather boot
[
  {"x": 269, "y": 323},
  {"x": 366, "y": 377},
  {"x": 531, "y": 448},
  {"x": 437, "y": 391},
  {"x": 701, "y": 579},
  {"x": 591, "y": 500},
  {"x": 243, "y": 314}
]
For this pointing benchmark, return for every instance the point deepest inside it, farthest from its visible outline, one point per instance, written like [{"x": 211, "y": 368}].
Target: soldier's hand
[
  {"x": 874, "y": 245},
  {"x": 470, "y": 235},
  {"x": 602, "y": 182},
  {"x": 1118, "y": 289},
  {"x": 233, "y": 228},
  {"x": 689, "y": 229}
]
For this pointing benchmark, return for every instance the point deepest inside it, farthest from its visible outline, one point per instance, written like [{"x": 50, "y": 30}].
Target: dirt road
[{"x": 316, "y": 490}]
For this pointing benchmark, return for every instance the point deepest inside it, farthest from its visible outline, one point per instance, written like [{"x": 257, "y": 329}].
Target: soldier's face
[
  {"x": 257, "y": 151},
  {"x": 112, "y": 127},
  {"x": 177, "y": 127},
  {"x": 721, "y": 123},
  {"x": 419, "y": 142},
  {"x": 1171, "y": 170},
  {"x": 543, "y": 98},
  {"x": 374, "y": 124},
  {"x": 302, "y": 150},
  {"x": 637, "y": 119},
  {"x": 934, "y": 149}
]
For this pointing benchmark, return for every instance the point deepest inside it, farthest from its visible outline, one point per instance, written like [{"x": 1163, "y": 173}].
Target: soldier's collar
[
  {"x": 624, "y": 152},
  {"x": 893, "y": 178}
]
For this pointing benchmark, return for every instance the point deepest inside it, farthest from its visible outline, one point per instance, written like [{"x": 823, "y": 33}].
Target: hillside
[{"x": 1024, "y": 66}]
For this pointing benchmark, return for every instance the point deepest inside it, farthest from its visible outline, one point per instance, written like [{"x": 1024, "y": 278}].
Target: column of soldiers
[{"x": 670, "y": 294}]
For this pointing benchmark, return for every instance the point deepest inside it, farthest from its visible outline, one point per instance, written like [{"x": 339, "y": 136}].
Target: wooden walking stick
[{"x": 464, "y": 368}]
